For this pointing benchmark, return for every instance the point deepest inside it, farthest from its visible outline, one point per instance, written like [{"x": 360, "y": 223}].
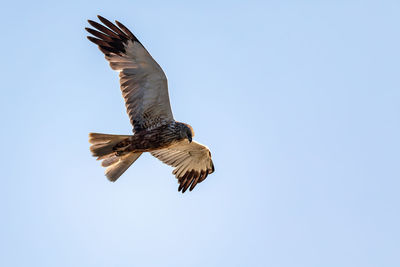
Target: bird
[{"x": 144, "y": 88}]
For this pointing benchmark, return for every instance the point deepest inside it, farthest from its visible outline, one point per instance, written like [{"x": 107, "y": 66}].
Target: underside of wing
[
  {"x": 143, "y": 82},
  {"x": 192, "y": 162}
]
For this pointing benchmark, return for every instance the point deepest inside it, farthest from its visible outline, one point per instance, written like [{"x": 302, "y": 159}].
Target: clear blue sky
[{"x": 298, "y": 101}]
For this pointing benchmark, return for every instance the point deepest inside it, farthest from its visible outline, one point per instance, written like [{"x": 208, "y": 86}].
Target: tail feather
[
  {"x": 103, "y": 144},
  {"x": 102, "y": 148},
  {"x": 117, "y": 165}
]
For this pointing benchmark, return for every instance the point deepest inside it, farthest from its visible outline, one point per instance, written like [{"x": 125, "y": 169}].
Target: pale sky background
[{"x": 297, "y": 100}]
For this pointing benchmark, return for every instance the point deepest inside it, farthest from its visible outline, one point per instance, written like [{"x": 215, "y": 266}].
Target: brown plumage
[{"x": 145, "y": 91}]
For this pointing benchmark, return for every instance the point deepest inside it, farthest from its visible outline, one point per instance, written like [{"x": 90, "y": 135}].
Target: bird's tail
[{"x": 103, "y": 148}]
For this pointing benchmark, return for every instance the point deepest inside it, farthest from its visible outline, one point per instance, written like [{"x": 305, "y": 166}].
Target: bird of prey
[{"x": 145, "y": 91}]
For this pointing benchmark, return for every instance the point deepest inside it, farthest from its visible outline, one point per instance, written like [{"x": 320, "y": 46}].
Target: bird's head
[
  {"x": 187, "y": 132},
  {"x": 189, "y": 136}
]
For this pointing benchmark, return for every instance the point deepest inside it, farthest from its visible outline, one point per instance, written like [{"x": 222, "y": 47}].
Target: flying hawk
[{"x": 145, "y": 91}]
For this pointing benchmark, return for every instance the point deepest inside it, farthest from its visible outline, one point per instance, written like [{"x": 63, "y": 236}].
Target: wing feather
[
  {"x": 143, "y": 82},
  {"x": 192, "y": 162}
]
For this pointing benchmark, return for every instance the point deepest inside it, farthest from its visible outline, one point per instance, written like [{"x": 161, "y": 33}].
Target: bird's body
[
  {"x": 153, "y": 139},
  {"x": 145, "y": 91}
]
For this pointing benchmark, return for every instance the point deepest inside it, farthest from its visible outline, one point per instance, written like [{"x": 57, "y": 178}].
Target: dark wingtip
[
  {"x": 127, "y": 31},
  {"x": 92, "y": 39},
  {"x": 180, "y": 187},
  {"x": 194, "y": 183},
  {"x": 102, "y": 19},
  {"x": 203, "y": 177}
]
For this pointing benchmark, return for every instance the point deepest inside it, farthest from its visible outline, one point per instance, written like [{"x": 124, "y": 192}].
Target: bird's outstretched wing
[
  {"x": 143, "y": 82},
  {"x": 192, "y": 162}
]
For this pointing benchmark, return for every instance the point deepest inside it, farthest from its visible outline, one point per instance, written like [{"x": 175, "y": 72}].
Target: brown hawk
[{"x": 145, "y": 91}]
